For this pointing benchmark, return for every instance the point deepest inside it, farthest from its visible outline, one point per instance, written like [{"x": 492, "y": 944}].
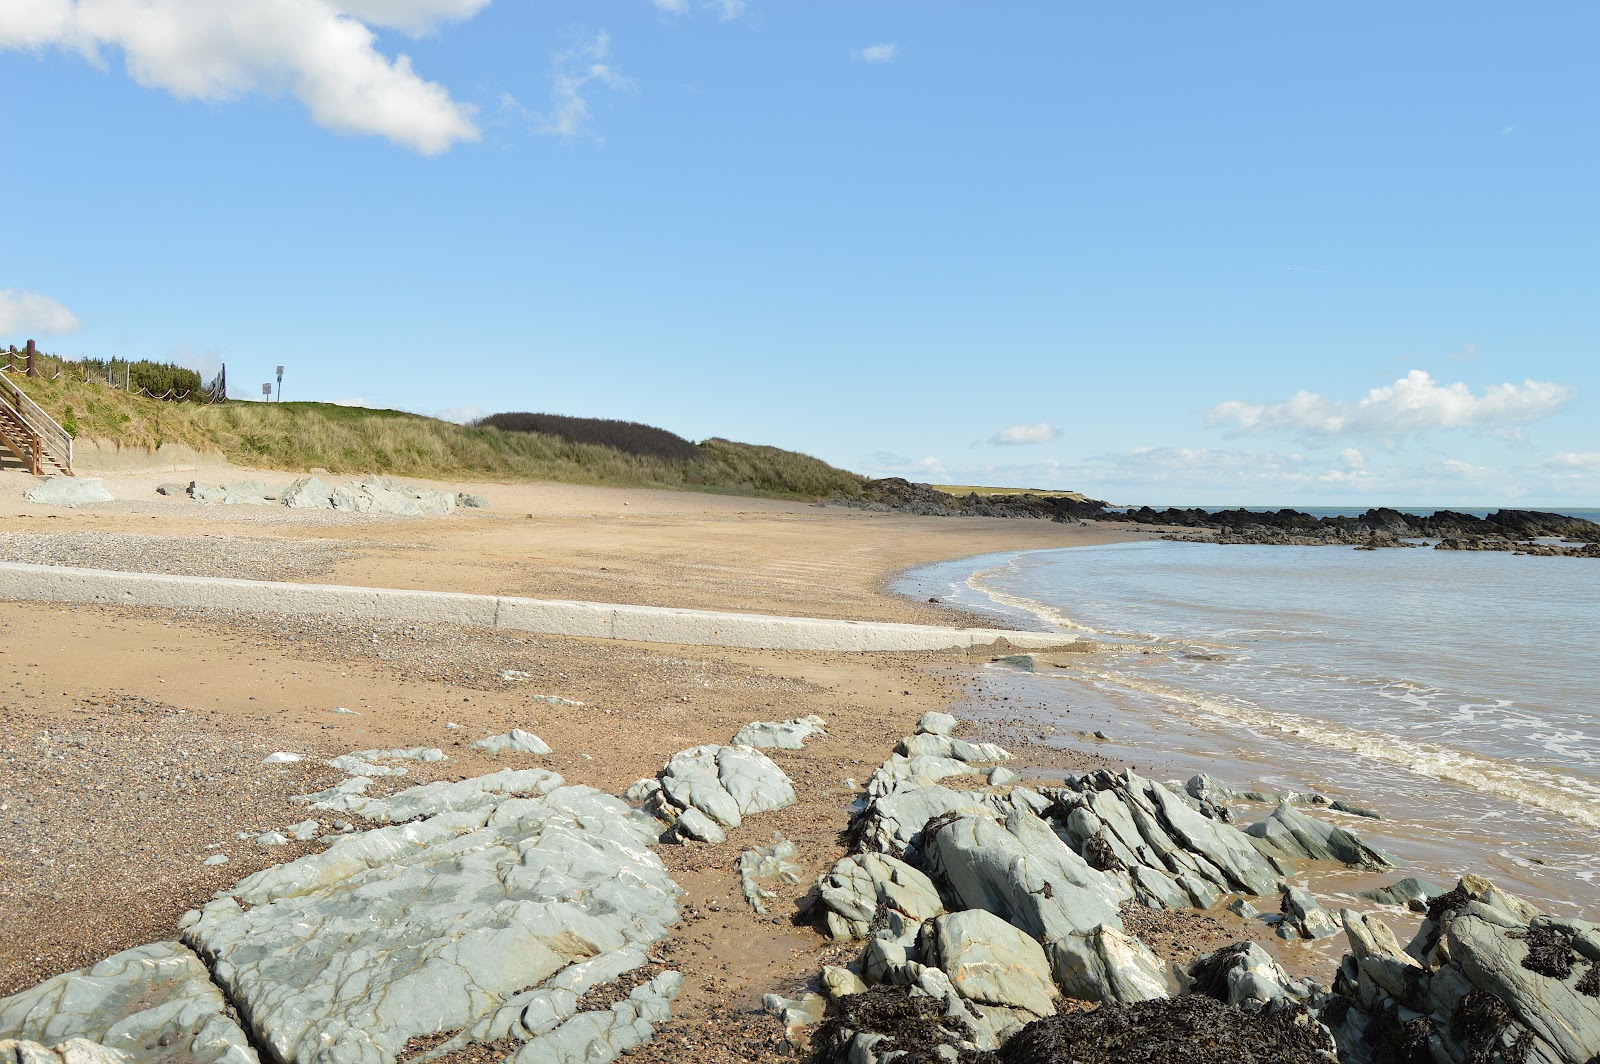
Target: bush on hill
[{"x": 629, "y": 437}]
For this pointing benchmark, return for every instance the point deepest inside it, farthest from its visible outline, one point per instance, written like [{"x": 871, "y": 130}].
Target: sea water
[{"x": 1457, "y": 692}]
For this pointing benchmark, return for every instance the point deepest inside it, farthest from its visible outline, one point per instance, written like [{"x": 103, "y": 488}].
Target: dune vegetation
[{"x": 350, "y": 440}]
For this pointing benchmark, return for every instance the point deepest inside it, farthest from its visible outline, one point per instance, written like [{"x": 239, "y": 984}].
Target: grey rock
[
  {"x": 1244, "y": 976},
  {"x": 893, "y": 823},
  {"x": 1241, "y": 908},
  {"x": 470, "y": 501},
  {"x": 601, "y": 1037},
  {"x": 431, "y": 799},
  {"x": 72, "y": 1051},
  {"x": 1377, "y": 954},
  {"x": 69, "y": 491},
  {"x": 216, "y": 859},
  {"x": 780, "y": 735},
  {"x": 936, "y": 724},
  {"x": 308, "y": 493},
  {"x": 282, "y": 757},
  {"x": 900, "y": 771},
  {"x": 1355, "y": 810},
  {"x": 1108, "y": 965},
  {"x": 727, "y": 783},
  {"x": 241, "y": 493},
  {"x": 1303, "y": 917},
  {"x": 341, "y": 957},
  {"x": 854, "y": 891},
  {"x": 1000, "y": 776},
  {"x": 516, "y": 741},
  {"x": 273, "y": 838},
  {"x": 990, "y": 962},
  {"x": 841, "y": 982},
  {"x": 172, "y": 488},
  {"x": 1294, "y": 834},
  {"x": 381, "y": 495},
  {"x": 925, "y": 744},
  {"x": 154, "y": 1005},
  {"x": 340, "y": 797},
  {"x": 764, "y": 869},
  {"x": 304, "y": 831},
  {"x": 797, "y": 1014},
  {"x": 1409, "y": 893},
  {"x": 693, "y": 824}
]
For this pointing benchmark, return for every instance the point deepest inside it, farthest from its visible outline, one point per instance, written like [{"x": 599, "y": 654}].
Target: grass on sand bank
[{"x": 300, "y": 436}]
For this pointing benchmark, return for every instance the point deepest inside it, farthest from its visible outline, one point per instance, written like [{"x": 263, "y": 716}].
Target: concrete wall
[
  {"x": 102, "y": 456},
  {"x": 597, "y": 620}
]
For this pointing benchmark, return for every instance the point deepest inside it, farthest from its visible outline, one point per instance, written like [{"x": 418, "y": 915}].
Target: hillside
[{"x": 296, "y": 437}]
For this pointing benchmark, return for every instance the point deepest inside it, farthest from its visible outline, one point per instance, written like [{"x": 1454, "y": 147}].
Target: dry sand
[{"x": 132, "y": 741}]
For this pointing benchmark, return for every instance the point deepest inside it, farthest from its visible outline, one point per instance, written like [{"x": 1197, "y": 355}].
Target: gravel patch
[{"x": 241, "y": 557}]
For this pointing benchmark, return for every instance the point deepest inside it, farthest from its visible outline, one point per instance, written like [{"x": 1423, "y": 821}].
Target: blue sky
[{"x": 1159, "y": 252}]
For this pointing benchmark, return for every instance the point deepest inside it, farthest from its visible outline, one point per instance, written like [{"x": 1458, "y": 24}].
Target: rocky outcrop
[
  {"x": 514, "y": 741},
  {"x": 69, "y": 491},
  {"x": 431, "y": 927},
  {"x": 872, "y": 891},
  {"x": 726, "y": 783},
  {"x": 763, "y": 869},
  {"x": 382, "y": 495},
  {"x": 780, "y": 735},
  {"x": 152, "y": 1005},
  {"x": 1303, "y": 917},
  {"x": 1289, "y": 833},
  {"x": 1486, "y": 978},
  {"x": 990, "y": 962}
]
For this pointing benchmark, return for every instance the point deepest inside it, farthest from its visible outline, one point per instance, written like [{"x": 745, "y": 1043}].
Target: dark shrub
[{"x": 630, "y": 437}]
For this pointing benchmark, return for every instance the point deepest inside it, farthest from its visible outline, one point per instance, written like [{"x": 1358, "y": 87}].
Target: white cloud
[
  {"x": 1023, "y": 435},
  {"x": 30, "y": 312},
  {"x": 1574, "y": 461},
  {"x": 356, "y": 401},
  {"x": 886, "y": 464},
  {"x": 321, "y": 51},
  {"x": 727, "y": 10},
  {"x": 1415, "y": 403},
  {"x": 675, "y": 7},
  {"x": 878, "y": 53},
  {"x": 1352, "y": 458},
  {"x": 575, "y": 70},
  {"x": 461, "y": 415}
]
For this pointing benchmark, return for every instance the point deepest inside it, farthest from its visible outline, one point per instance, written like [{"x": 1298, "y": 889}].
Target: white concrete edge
[{"x": 23, "y": 582}]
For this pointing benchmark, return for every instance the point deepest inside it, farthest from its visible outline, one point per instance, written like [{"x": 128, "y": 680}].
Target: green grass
[{"x": 349, "y": 440}]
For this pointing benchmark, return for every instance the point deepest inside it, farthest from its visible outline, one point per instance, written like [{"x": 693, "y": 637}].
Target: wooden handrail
[{"x": 49, "y": 439}]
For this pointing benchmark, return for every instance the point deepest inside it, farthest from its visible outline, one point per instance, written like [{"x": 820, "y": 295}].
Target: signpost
[
  {"x": 266, "y": 390},
  {"x": 280, "y": 384}
]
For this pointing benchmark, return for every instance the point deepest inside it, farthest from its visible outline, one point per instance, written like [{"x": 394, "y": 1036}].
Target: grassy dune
[
  {"x": 973, "y": 489},
  {"x": 299, "y": 436}
]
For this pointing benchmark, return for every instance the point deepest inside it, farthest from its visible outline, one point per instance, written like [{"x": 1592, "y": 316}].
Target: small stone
[
  {"x": 1000, "y": 776},
  {"x": 936, "y": 724},
  {"x": 282, "y": 757},
  {"x": 216, "y": 859}
]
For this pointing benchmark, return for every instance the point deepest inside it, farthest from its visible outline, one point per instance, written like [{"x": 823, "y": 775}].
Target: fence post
[{"x": 33, "y": 370}]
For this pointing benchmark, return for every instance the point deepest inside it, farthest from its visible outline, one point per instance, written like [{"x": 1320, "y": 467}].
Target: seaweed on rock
[
  {"x": 1480, "y": 1024},
  {"x": 1188, "y": 1030},
  {"x": 915, "y": 1026},
  {"x": 1550, "y": 951}
]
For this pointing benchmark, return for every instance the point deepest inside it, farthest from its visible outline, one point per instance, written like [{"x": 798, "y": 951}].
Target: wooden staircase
[{"x": 31, "y": 434}]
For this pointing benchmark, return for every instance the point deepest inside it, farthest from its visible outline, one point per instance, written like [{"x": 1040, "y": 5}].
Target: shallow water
[{"x": 1457, "y": 692}]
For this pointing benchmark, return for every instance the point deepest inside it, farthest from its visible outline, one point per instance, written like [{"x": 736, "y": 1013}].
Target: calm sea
[{"x": 1458, "y": 692}]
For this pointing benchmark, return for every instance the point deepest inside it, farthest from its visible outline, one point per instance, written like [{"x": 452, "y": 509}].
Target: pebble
[{"x": 216, "y": 859}]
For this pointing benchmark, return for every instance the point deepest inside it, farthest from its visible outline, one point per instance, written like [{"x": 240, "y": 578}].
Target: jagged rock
[
  {"x": 693, "y": 824},
  {"x": 1243, "y": 975},
  {"x": 989, "y": 961},
  {"x": 69, "y": 491},
  {"x": 944, "y": 747},
  {"x": 1340, "y": 806},
  {"x": 936, "y": 724},
  {"x": 1377, "y": 955},
  {"x": 471, "y": 501},
  {"x": 304, "y": 831},
  {"x": 760, "y": 865},
  {"x": 1291, "y": 833},
  {"x": 899, "y": 772},
  {"x": 1243, "y": 909},
  {"x": 241, "y": 493},
  {"x": 1303, "y": 917},
  {"x": 464, "y": 910},
  {"x": 384, "y": 496},
  {"x": 780, "y": 735},
  {"x": 431, "y": 799},
  {"x": 341, "y": 797},
  {"x": 1108, "y": 965},
  {"x": 1409, "y": 893},
  {"x": 601, "y": 1037},
  {"x": 372, "y": 762},
  {"x": 893, "y": 823},
  {"x": 727, "y": 783},
  {"x": 72, "y": 1051},
  {"x": 854, "y": 891},
  {"x": 172, "y": 488},
  {"x": 1000, "y": 776},
  {"x": 155, "y": 1004},
  {"x": 308, "y": 493},
  {"x": 841, "y": 982},
  {"x": 797, "y": 1014},
  {"x": 516, "y": 740}
]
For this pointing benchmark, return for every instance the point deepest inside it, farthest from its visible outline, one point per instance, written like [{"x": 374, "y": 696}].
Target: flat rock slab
[
  {"x": 69, "y": 491},
  {"x": 431, "y": 799},
  {"x": 780, "y": 735},
  {"x": 514, "y": 741},
  {"x": 726, "y": 783},
  {"x": 342, "y": 957},
  {"x": 991, "y": 962},
  {"x": 155, "y": 1004},
  {"x": 72, "y": 1051},
  {"x": 380, "y": 495}
]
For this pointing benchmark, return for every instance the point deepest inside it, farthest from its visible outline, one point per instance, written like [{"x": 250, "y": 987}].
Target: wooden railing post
[{"x": 33, "y": 370}]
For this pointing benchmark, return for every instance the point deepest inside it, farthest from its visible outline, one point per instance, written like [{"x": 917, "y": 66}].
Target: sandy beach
[{"x": 133, "y": 739}]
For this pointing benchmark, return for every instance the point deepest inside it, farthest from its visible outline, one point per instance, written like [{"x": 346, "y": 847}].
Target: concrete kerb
[{"x": 22, "y": 582}]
